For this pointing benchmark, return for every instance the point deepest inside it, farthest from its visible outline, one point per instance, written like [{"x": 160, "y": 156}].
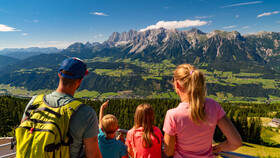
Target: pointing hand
[{"x": 105, "y": 105}]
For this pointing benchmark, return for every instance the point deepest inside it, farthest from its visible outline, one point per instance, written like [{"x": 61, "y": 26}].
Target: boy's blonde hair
[{"x": 109, "y": 123}]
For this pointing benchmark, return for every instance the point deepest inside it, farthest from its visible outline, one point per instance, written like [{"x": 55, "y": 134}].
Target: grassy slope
[
  {"x": 268, "y": 136},
  {"x": 258, "y": 150}
]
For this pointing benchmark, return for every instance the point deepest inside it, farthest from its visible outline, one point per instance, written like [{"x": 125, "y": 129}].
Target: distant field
[
  {"x": 265, "y": 120},
  {"x": 112, "y": 72},
  {"x": 86, "y": 93}
]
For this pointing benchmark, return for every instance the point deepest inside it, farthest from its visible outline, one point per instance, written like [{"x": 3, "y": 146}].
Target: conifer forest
[{"x": 245, "y": 116}]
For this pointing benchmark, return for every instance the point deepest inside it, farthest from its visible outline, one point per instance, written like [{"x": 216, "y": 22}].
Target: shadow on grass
[
  {"x": 247, "y": 145},
  {"x": 269, "y": 144}
]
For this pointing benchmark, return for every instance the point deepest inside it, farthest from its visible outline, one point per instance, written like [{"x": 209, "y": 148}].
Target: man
[{"x": 83, "y": 126}]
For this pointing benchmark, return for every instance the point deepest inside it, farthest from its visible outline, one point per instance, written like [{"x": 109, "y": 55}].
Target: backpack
[{"x": 45, "y": 131}]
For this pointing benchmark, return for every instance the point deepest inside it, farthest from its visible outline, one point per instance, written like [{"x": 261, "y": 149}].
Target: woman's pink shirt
[
  {"x": 192, "y": 140},
  {"x": 139, "y": 150}
]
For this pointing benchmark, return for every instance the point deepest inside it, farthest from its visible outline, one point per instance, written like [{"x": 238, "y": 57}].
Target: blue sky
[{"x": 59, "y": 23}]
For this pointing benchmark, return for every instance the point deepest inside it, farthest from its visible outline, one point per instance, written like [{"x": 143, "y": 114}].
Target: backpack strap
[
  {"x": 35, "y": 104},
  {"x": 39, "y": 100},
  {"x": 75, "y": 105}
]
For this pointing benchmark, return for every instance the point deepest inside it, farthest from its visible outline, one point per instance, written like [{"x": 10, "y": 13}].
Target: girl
[
  {"x": 191, "y": 125},
  {"x": 144, "y": 139}
]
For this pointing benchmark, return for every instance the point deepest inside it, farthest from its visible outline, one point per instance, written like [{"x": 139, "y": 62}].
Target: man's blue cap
[{"x": 75, "y": 66}]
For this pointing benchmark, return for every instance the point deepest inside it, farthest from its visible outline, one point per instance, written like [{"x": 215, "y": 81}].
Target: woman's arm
[
  {"x": 169, "y": 144},
  {"x": 233, "y": 138}
]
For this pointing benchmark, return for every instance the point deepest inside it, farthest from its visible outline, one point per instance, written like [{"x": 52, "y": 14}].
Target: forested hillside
[{"x": 246, "y": 117}]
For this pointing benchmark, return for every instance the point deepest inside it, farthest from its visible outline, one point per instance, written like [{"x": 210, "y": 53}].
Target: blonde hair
[
  {"x": 194, "y": 85},
  {"x": 144, "y": 117},
  {"x": 108, "y": 123}
]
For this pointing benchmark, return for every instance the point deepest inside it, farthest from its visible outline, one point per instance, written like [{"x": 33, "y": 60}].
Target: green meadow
[
  {"x": 259, "y": 150},
  {"x": 271, "y": 149}
]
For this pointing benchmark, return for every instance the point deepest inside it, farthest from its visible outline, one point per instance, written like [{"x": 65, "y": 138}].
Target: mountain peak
[
  {"x": 77, "y": 46},
  {"x": 120, "y": 38},
  {"x": 197, "y": 31},
  {"x": 224, "y": 34}
]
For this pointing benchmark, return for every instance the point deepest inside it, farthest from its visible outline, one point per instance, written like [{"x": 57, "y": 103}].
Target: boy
[{"x": 109, "y": 146}]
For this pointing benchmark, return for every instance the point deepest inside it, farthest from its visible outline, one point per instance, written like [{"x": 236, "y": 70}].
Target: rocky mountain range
[
  {"x": 217, "y": 50},
  {"x": 192, "y": 46}
]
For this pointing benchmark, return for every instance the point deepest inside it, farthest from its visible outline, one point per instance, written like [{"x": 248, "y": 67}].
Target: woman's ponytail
[
  {"x": 196, "y": 92},
  {"x": 193, "y": 82}
]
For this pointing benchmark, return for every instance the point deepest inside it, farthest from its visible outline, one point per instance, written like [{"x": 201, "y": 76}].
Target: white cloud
[
  {"x": 240, "y": 4},
  {"x": 175, "y": 24},
  {"x": 228, "y": 27},
  {"x": 237, "y": 16},
  {"x": 246, "y": 27},
  {"x": 99, "y": 13},
  {"x": 24, "y": 34},
  {"x": 5, "y": 28},
  {"x": 267, "y": 14},
  {"x": 99, "y": 35},
  {"x": 36, "y": 21}
]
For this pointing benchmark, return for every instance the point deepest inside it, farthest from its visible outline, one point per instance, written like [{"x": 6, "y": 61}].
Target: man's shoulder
[{"x": 85, "y": 109}]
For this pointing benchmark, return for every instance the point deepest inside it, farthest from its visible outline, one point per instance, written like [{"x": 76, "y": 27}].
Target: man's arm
[
  {"x": 101, "y": 113},
  {"x": 91, "y": 147}
]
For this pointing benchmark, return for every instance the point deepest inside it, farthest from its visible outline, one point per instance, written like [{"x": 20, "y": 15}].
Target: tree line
[{"x": 245, "y": 116}]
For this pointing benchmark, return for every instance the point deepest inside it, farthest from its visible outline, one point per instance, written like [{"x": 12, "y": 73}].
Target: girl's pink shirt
[
  {"x": 139, "y": 150},
  {"x": 192, "y": 140}
]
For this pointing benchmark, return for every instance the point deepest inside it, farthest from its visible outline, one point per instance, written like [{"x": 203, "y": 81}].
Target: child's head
[
  {"x": 109, "y": 124},
  {"x": 144, "y": 116}
]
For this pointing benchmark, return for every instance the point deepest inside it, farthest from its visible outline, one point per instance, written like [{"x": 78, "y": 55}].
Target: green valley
[{"x": 221, "y": 85}]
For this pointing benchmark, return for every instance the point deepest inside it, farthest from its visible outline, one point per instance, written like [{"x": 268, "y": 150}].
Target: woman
[{"x": 189, "y": 128}]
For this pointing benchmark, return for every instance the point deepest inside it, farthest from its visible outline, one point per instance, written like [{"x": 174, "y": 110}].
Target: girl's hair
[
  {"x": 193, "y": 82},
  {"x": 145, "y": 117}
]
